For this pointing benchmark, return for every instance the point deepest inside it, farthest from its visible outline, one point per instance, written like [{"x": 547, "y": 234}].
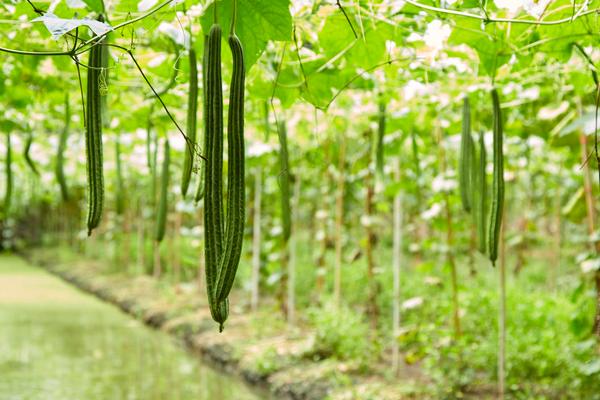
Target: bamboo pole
[
  {"x": 591, "y": 216},
  {"x": 256, "y": 239},
  {"x": 339, "y": 222},
  {"x": 449, "y": 240},
  {"x": 502, "y": 317},
  {"x": 397, "y": 264},
  {"x": 292, "y": 243}
]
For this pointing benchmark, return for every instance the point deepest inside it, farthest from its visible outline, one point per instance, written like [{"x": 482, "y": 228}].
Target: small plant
[
  {"x": 268, "y": 362},
  {"x": 341, "y": 333}
]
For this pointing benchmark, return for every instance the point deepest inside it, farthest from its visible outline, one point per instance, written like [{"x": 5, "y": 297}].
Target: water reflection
[{"x": 75, "y": 347}]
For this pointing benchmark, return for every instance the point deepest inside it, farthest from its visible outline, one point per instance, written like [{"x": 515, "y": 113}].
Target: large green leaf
[
  {"x": 258, "y": 22},
  {"x": 335, "y": 36},
  {"x": 487, "y": 41}
]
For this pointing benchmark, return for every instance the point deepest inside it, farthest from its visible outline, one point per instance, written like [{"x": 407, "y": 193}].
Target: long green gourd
[
  {"x": 380, "y": 135},
  {"x": 465, "y": 162},
  {"x": 161, "y": 219},
  {"x": 200, "y": 190},
  {"x": 472, "y": 156},
  {"x": 192, "y": 113},
  {"x": 480, "y": 197},
  {"x": 9, "y": 176},
  {"x": 213, "y": 183},
  {"x": 94, "y": 139},
  {"x": 27, "y": 154},
  {"x": 497, "y": 206},
  {"x": 154, "y": 171},
  {"x": 284, "y": 181},
  {"x": 60, "y": 154},
  {"x": 149, "y": 155},
  {"x": 415, "y": 152},
  {"x": 417, "y": 164},
  {"x": 120, "y": 192},
  {"x": 236, "y": 194}
]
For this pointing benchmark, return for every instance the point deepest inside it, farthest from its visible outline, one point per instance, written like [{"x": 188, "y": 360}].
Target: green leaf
[
  {"x": 471, "y": 4},
  {"x": 488, "y": 42},
  {"x": 335, "y": 35},
  {"x": 319, "y": 90},
  {"x": 95, "y": 5},
  {"x": 258, "y": 22},
  {"x": 370, "y": 51}
]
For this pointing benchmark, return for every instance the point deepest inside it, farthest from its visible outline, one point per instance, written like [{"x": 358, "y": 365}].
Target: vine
[{"x": 487, "y": 19}]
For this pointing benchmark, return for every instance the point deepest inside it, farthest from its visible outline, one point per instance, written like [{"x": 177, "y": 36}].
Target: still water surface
[{"x": 57, "y": 343}]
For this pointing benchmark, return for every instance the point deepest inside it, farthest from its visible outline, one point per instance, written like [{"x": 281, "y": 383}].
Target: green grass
[{"x": 549, "y": 349}]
